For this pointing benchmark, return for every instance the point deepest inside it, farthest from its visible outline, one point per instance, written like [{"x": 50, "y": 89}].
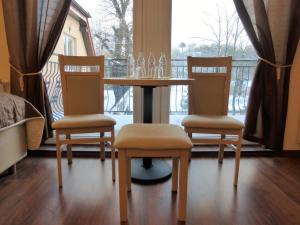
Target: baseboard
[
  {"x": 11, "y": 170},
  {"x": 290, "y": 153},
  {"x": 197, "y": 152}
]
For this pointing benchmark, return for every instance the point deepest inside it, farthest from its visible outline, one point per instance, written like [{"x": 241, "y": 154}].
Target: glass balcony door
[
  {"x": 199, "y": 28},
  {"x": 210, "y": 28}
]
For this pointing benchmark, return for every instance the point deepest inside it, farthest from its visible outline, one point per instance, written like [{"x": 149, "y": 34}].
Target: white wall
[
  {"x": 4, "y": 66},
  {"x": 292, "y": 132}
]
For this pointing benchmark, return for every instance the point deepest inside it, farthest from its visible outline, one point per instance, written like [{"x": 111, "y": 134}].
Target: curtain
[
  {"x": 33, "y": 28},
  {"x": 273, "y": 28},
  {"x": 152, "y": 33}
]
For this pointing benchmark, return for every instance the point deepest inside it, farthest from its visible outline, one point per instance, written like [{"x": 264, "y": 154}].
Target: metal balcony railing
[{"x": 119, "y": 99}]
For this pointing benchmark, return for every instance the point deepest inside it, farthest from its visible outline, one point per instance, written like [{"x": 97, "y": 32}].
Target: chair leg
[
  {"x": 128, "y": 174},
  {"x": 190, "y": 152},
  {"x": 183, "y": 185},
  {"x": 175, "y": 174},
  {"x": 69, "y": 150},
  {"x": 58, "y": 158},
  {"x": 102, "y": 148},
  {"x": 221, "y": 150},
  {"x": 113, "y": 155},
  {"x": 237, "y": 158},
  {"x": 122, "y": 185}
]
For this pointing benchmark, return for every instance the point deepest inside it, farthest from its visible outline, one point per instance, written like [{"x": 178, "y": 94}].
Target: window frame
[{"x": 68, "y": 37}]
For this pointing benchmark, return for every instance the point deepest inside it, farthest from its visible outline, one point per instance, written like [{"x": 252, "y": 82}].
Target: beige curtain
[
  {"x": 33, "y": 28},
  {"x": 152, "y": 33}
]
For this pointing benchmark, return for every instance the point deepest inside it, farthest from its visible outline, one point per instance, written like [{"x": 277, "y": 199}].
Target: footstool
[{"x": 153, "y": 140}]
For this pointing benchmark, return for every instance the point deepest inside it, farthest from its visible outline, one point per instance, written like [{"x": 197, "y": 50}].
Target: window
[
  {"x": 111, "y": 27},
  {"x": 112, "y": 33},
  {"x": 210, "y": 28},
  {"x": 69, "y": 45},
  {"x": 199, "y": 28}
]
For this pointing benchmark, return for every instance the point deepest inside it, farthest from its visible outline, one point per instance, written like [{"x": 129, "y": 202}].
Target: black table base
[
  {"x": 147, "y": 170},
  {"x": 158, "y": 172}
]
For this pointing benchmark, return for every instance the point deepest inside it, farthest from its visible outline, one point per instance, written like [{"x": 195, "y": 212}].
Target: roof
[
  {"x": 80, "y": 9},
  {"x": 83, "y": 16}
]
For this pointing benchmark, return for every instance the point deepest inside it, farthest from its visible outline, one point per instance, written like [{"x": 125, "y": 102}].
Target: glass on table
[
  {"x": 130, "y": 66},
  {"x": 151, "y": 66},
  {"x": 140, "y": 66},
  {"x": 162, "y": 66}
]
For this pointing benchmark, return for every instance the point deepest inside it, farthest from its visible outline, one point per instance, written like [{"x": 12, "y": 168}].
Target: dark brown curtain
[
  {"x": 33, "y": 28},
  {"x": 267, "y": 106}
]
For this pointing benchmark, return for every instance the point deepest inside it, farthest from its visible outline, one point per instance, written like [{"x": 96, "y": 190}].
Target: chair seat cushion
[
  {"x": 153, "y": 137},
  {"x": 213, "y": 122},
  {"x": 84, "y": 121}
]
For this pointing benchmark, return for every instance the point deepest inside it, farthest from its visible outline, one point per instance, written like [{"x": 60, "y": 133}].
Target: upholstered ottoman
[{"x": 153, "y": 140}]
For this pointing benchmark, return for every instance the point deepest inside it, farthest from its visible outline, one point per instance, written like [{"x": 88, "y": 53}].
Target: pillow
[{"x": 4, "y": 86}]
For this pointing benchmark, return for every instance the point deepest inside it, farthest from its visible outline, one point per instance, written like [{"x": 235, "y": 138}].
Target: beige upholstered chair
[
  {"x": 83, "y": 96},
  {"x": 208, "y": 105}
]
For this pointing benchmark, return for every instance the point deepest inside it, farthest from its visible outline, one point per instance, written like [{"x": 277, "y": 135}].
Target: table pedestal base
[{"x": 158, "y": 172}]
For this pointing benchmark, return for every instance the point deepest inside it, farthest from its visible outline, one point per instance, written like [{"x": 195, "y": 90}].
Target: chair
[
  {"x": 208, "y": 106},
  {"x": 158, "y": 140},
  {"x": 83, "y": 101}
]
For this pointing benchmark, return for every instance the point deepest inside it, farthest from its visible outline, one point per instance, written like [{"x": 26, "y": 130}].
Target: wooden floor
[{"x": 268, "y": 193}]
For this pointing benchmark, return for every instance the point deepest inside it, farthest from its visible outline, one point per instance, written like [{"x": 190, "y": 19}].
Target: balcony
[{"x": 119, "y": 99}]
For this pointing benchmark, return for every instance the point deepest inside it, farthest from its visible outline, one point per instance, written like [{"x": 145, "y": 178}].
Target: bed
[{"x": 21, "y": 128}]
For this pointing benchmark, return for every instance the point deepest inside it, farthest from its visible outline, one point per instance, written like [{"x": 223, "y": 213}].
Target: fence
[{"x": 119, "y": 99}]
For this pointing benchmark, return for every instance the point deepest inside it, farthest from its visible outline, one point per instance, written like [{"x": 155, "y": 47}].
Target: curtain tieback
[
  {"x": 21, "y": 75},
  {"x": 277, "y": 66}
]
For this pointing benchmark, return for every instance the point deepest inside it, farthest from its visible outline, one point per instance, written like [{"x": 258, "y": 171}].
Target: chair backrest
[
  {"x": 209, "y": 92},
  {"x": 82, "y": 84}
]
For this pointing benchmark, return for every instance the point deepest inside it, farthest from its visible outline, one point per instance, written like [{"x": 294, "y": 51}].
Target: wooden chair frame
[
  {"x": 67, "y": 132},
  {"x": 237, "y": 133}
]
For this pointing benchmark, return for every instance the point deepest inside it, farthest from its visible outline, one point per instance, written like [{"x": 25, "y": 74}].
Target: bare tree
[
  {"x": 117, "y": 12},
  {"x": 117, "y": 41},
  {"x": 225, "y": 30},
  {"x": 237, "y": 33}
]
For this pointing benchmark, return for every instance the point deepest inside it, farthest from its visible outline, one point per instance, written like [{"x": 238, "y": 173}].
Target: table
[{"x": 147, "y": 171}]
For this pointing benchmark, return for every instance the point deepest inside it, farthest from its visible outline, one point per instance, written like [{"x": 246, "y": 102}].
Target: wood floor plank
[
  {"x": 284, "y": 173},
  {"x": 268, "y": 193}
]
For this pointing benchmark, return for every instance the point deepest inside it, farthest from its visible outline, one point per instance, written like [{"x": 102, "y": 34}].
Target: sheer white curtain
[{"x": 152, "y": 33}]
